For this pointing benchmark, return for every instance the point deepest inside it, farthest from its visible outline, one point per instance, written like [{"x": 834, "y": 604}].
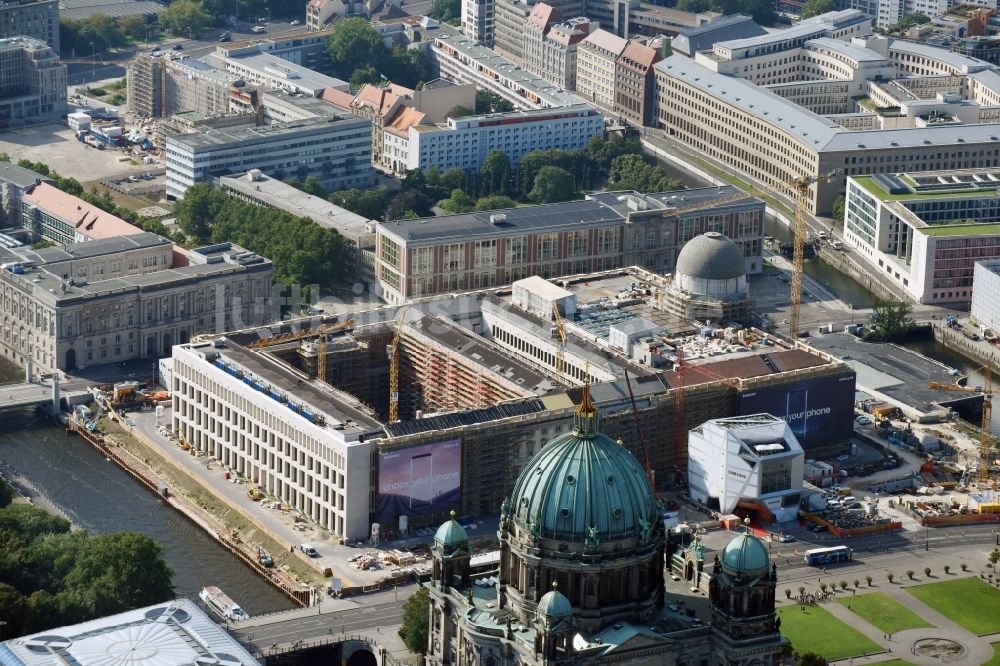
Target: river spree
[{"x": 98, "y": 496}]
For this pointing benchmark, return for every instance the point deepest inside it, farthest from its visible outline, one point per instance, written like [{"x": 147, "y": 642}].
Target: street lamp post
[{"x": 93, "y": 55}]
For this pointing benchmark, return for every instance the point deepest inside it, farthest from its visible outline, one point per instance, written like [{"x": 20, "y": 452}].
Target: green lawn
[
  {"x": 995, "y": 661},
  {"x": 895, "y": 662},
  {"x": 967, "y": 601},
  {"x": 816, "y": 630},
  {"x": 880, "y": 610}
]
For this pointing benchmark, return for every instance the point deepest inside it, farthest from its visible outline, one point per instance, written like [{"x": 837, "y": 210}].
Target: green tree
[
  {"x": 810, "y": 659},
  {"x": 891, "y": 319},
  {"x": 490, "y": 102},
  {"x": 632, "y": 172},
  {"x": 366, "y": 203},
  {"x": 459, "y": 202},
  {"x": 416, "y": 617},
  {"x": 495, "y": 202},
  {"x": 553, "y": 184},
  {"x": 197, "y": 210},
  {"x": 364, "y": 75},
  {"x": 409, "y": 200},
  {"x": 118, "y": 571},
  {"x": 460, "y": 112},
  {"x": 6, "y": 492},
  {"x": 133, "y": 26},
  {"x": 314, "y": 187},
  {"x": 816, "y": 7},
  {"x": 694, "y": 6},
  {"x": 912, "y": 19},
  {"x": 99, "y": 30},
  {"x": 495, "y": 174},
  {"x": 448, "y": 11},
  {"x": 354, "y": 44},
  {"x": 186, "y": 16},
  {"x": 13, "y": 612},
  {"x": 838, "y": 208},
  {"x": 995, "y": 556}
]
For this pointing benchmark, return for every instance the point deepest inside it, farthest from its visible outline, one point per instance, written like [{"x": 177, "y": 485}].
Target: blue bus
[{"x": 823, "y": 556}]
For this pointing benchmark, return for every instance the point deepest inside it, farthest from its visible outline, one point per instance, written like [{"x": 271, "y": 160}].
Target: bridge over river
[{"x": 358, "y": 631}]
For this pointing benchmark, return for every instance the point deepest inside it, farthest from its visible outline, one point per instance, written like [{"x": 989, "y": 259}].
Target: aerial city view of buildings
[{"x": 496, "y": 332}]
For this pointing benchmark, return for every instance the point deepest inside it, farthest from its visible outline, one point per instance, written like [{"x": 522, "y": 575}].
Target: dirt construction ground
[{"x": 54, "y": 145}]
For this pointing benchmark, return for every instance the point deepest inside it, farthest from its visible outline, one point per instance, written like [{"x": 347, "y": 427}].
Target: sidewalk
[{"x": 278, "y": 525}]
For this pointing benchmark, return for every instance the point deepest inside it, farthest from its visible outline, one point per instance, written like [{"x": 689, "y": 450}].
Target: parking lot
[{"x": 55, "y": 145}]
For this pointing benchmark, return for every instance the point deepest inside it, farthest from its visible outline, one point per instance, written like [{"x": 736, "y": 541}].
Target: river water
[{"x": 98, "y": 496}]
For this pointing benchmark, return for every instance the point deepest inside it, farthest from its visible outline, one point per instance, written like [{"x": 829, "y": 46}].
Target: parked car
[
  {"x": 786, "y": 538},
  {"x": 226, "y": 37},
  {"x": 177, "y": 47},
  {"x": 309, "y": 550},
  {"x": 295, "y": 22}
]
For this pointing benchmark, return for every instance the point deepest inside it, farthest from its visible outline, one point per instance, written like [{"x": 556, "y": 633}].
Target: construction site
[{"x": 470, "y": 387}]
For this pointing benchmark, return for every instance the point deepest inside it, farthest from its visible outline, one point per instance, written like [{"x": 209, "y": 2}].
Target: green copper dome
[
  {"x": 746, "y": 555},
  {"x": 451, "y": 533},
  {"x": 584, "y": 487},
  {"x": 554, "y": 604}
]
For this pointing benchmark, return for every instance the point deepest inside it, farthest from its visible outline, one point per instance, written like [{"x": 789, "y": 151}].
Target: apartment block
[
  {"x": 478, "y": 17},
  {"x": 462, "y": 60},
  {"x": 634, "y": 83},
  {"x": 926, "y": 231},
  {"x": 465, "y": 142},
  {"x": 596, "y": 65},
  {"x": 550, "y": 45},
  {"x": 38, "y": 19},
  {"x": 124, "y": 298},
  {"x": 162, "y": 87},
  {"x": 337, "y": 151},
  {"x": 32, "y": 81},
  {"x": 417, "y": 258}
]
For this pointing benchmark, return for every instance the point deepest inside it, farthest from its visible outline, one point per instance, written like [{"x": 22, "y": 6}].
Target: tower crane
[
  {"x": 799, "y": 189},
  {"x": 985, "y": 438},
  {"x": 638, "y": 428},
  {"x": 318, "y": 331},
  {"x": 394, "y": 370},
  {"x": 561, "y": 328}
]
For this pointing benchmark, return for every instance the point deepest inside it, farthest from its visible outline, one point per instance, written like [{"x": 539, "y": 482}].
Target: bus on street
[{"x": 822, "y": 556}]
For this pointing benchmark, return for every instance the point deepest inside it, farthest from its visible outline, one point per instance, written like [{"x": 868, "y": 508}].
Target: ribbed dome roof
[
  {"x": 554, "y": 604},
  {"x": 711, "y": 256},
  {"x": 451, "y": 533},
  {"x": 746, "y": 555},
  {"x": 584, "y": 487}
]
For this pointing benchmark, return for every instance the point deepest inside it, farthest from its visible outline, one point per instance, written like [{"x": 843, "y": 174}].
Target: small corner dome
[
  {"x": 711, "y": 256},
  {"x": 451, "y": 533},
  {"x": 554, "y": 605},
  {"x": 746, "y": 555}
]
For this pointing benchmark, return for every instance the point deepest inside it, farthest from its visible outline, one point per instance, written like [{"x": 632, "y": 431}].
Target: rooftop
[
  {"x": 279, "y": 194},
  {"x": 81, "y": 9},
  {"x": 287, "y": 73},
  {"x": 87, "y": 219},
  {"x": 168, "y": 634},
  {"x": 607, "y": 41},
  {"x": 19, "y": 176},
  {"x": 53, "y": 255},
  {"x": 226, "y": 137},
  {"x": 727, "y": 28},
  {"x": 596, "y": 210},
  {"x": 550, "y": 94}
]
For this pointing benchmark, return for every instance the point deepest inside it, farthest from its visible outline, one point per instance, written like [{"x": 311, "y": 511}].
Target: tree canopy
[
  {"x": 360, "y": 56},
  {"x": 449, "y": 11},
  {"x": 553, "y": 184},
  {"x": 184, "y": 15},
  {"x": 632, "y": 172},
  {"x": 816, "y": 7},
  {"x": 891, "y": 319},
  {"x": 302, "y": 251},
  {"x": 761, "y": 10},
  {"x": 50, "y": 576},
  {"x": 416, "y": 617}
]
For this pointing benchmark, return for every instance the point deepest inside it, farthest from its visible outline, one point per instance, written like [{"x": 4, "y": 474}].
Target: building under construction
[{"x": 400, "y": 415}]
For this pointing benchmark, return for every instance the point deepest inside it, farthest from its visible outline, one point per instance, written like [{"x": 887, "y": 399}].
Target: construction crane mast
[
  {"x": 394, "y": 371},
  {"x": 985, "y": 437},
  {"x": 638, "y": 428}
]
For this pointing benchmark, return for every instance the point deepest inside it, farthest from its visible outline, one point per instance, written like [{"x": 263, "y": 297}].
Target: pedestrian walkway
[{"x": 900, "y": 645}]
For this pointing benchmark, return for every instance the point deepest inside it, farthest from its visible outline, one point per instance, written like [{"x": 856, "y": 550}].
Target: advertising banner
[
  {"x": 818, "y": 410},
  {"x": 419, "y": 480}
]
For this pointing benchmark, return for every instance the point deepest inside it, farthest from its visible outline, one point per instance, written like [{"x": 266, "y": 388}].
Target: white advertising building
[
  {"x": 312, "y": 449},
  {"x": 753, "y": 458}
]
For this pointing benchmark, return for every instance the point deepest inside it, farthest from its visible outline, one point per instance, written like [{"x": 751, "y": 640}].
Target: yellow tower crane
[
  {"x": 321, "y": 358},
  {"x": 561, "y": 329},
  {"x": 985, "y": 437},
  {"x": 799, "y": 190},
  {"x": 394, "y": 371}
]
